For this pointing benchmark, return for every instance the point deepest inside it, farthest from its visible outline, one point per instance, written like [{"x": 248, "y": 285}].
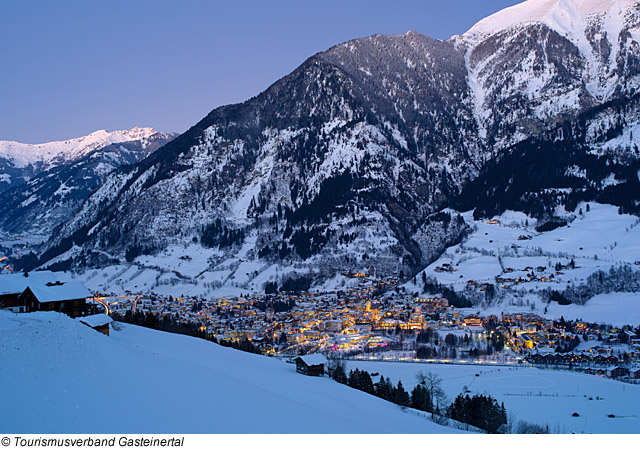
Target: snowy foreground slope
[
  {"x": 64, "y": 377},
  {"x": 542, "y": 397}
]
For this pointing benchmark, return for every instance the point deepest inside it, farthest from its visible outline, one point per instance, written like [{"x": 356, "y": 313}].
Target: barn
[
  {"x": 312, "y": 365},
  {"x": 99, "y": 322}
]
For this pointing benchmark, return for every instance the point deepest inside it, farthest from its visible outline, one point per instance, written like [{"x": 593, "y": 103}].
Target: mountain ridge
[
  {"x": 347, "y": 161},
  {"x": 64, "y": 177}
]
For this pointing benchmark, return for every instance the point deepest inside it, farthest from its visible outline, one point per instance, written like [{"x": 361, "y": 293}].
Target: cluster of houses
[
  {"x": 527, "y": 275},
  {"x": 42, "y": 291},
  {"x": 366, "y": 318},
  {"x": 359, "y": 318},
  {"x": 446, "y": 267},
  {"x": 608, "y": 365}
]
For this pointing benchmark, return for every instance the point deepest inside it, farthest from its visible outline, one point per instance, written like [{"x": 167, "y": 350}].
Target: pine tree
[
  {"x": 420, "y": 399},
  {"x": 400, "y": 396}
]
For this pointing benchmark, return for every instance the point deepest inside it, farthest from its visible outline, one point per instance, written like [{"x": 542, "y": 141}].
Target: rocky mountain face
[
  {"x": 349, "y": 161},
  {"x": 59, "y": 176}
]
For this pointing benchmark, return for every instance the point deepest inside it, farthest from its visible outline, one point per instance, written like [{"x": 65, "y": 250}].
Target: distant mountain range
[
  {"x": 353, "y": 159},
  {"x": 42, "y": 184}
]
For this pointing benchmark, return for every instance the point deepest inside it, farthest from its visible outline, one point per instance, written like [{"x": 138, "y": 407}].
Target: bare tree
[
  {"x": 335, "y": 363},
  {"x": 433, "y": 383}
]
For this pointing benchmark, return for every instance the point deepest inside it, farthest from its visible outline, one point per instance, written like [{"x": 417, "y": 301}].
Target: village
[{"x": 374, "y": 320}]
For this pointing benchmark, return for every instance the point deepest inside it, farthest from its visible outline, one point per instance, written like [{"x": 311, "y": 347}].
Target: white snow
[
  {"x": 71, "y": 290},
  {"x": 543, "y": 397},
  {"x": 17, "y": 283},
  {"x": 25, "y": 154},
  {"x": 564, "y": 16},
  {"x": 616, "y": 308},
  {"x": 583, "y": 22},
  {"x": 598, "y": 239},
  {"x": 64, "y": 377},
  {"x": 95, "y": 320}
]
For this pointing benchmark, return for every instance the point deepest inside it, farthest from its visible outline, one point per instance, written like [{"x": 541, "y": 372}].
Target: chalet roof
[
  {"x": 72, "y": 290},
  {"x": 17, "y": 283},
  {"x": 95, "y": 320},
  {"x": 313, "y": 360}
]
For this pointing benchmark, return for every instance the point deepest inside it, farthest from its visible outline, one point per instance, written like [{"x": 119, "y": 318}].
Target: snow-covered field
[
  {"x": 543, "y": 397},
  {"x": 617, "y": 309},
  {"x": 597, "y": 239},
  {"x": 60, "y": 376}
]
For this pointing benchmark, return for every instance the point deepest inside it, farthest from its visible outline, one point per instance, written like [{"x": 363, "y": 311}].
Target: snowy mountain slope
[
  {"x": 67, "y": 378},
  {"x": 52, "y": 153},
  {"x": 566, "y": 16},
  {"x": 510, "y": 248},
  {"x": 20, "y": 162},
  {"x": 50, "y": 197},
  {"x": 345, "y": 162},
  {"x": 552, "y": 58}
]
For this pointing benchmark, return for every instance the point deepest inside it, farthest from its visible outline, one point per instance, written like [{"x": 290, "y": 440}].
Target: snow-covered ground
[
  {"x": 597, "y": 239},
  {"x": 617, "y": 309},
  {"x": 543, "y": 397},
  {"x": 60, "y": 376}
]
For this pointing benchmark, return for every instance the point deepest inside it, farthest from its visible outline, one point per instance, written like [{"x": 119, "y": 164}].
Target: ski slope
[{"x": 63, "y": 377}]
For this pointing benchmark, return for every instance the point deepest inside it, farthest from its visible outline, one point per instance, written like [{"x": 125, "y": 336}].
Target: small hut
[
  {"x": 99, "y": 322},
  {"x": 312, "y": 365}
]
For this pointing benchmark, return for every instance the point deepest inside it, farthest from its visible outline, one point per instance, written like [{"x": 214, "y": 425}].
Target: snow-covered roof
[
  {"x": 17, "y": 283},
  {"x": 313, "y": 360},
  {"x": 95, "y": 320},
  {"x": 72, "y": 290}
]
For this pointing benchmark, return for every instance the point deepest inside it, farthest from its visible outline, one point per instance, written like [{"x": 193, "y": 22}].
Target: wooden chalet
[
  {"x": 69, "y": 298},
  {"x": 12, "y": 285},
  {"x": 312, "y": 365},
  {"x": 617, "y": 372}
]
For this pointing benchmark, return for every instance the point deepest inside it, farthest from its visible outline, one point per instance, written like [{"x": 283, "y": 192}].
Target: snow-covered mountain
[
  {"x": 55, "y": 178},
  {"x": 550, "y": 58},
  {"x": 20, "y": 162},
  {"x": 347, "y": 162}
]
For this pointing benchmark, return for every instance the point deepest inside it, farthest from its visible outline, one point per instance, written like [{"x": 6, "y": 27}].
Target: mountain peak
[
  {"x": 23, "y": 154},
  {"x": 563, "y": 16}
]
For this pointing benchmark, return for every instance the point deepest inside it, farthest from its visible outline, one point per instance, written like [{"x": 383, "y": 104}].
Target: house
[
  {"x": 473, "y": 320},
  {"x": 312, "y": 365},
  {"x": 99, "y": 322},
  {"x": 69, "y": 298},
  {"x": 12, "y": 285},
  {"x": 617, "y": 372},
  {"x": 635, "y": 373}
]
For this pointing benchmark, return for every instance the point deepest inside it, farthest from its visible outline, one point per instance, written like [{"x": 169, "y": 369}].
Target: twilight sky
[{"x": 70, "y": 67}]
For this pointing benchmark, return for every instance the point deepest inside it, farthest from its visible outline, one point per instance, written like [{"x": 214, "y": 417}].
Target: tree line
[{"x": 481, "y": 411}]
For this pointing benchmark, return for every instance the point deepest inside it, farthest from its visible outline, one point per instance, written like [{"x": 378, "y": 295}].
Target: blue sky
[{"x": 70, "y": 67}]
